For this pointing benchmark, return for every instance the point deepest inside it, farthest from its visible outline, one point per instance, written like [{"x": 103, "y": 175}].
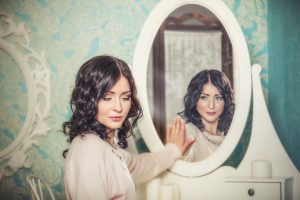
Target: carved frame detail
[{"x": 37, "y": 78}]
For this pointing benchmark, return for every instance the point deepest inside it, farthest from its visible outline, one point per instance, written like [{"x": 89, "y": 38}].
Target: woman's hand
[{"x": 176, "y": 134}]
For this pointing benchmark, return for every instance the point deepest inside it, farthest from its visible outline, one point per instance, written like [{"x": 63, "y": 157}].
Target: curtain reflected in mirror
[{"x": 190, "y": 40}]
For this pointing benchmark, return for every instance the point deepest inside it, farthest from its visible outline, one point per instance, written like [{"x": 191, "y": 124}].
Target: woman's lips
[
  {"x": 210, "y": 113},
  {"x": 116, "y": 118}
]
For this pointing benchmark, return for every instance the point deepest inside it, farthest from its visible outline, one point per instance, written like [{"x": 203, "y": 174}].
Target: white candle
[
  {"x": 153, "y": 189},
  {"x": 166, "y": 192},
  {"x": 261, "y": 169},
  {"x": 176, "y": 192}
]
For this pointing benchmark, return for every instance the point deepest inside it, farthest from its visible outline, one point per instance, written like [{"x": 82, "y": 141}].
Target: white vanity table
[
  {"x": 209, "y": 179},
  {"x": 275, "y": 188}
]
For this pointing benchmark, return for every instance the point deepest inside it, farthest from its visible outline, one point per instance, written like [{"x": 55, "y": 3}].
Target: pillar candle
[
  {"x": 167, "y": 192},
  {"x": 153, "y": 189},
  {"x": 261, "y": 169}
]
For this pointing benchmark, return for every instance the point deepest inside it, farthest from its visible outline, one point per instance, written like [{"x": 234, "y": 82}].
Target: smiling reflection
[{"x": 208, "y": 111}]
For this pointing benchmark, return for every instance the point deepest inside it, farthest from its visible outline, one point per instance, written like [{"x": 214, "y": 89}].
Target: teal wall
[
  {"x": 70, "y": 32},
  {"x": 284, "y": 73}
]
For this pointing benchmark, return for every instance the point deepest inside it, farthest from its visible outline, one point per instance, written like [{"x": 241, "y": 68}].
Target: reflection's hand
[{"x": 177, "y": 135}]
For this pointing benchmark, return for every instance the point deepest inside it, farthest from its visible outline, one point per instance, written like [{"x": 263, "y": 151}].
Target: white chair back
[{"x": 39, "y": 189}]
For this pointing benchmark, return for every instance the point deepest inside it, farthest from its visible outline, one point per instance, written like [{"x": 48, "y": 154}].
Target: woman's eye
[
  {"x": 219, "y": 98},
  {"x": 203, "y": 97},
  {"x": 106, "y": 98},
  {"x": 127, "y": 98}
]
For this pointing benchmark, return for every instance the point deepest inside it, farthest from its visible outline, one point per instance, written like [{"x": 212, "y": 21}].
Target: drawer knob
[{"x": 250, "y": 192}]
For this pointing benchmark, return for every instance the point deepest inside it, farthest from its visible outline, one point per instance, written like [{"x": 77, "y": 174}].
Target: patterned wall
[
  {"x": 69, "y": 32},
  {"x": 284, "y": 71}
]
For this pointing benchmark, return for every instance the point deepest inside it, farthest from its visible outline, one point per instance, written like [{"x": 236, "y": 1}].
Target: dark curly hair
[
  {"x": 222, "y": 83},
  {"x": 94, "y": 78}
]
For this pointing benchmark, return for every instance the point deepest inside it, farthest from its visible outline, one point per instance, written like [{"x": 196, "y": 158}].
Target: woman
[
  {"x": 103, "y": 102},
  {"x": 208, "y": 110}
]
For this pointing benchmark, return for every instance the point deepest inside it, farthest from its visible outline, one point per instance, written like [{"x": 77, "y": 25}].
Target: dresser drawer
[{"x": 255, "y": 191}]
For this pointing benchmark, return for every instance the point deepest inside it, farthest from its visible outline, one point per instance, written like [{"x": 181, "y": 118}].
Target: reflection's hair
[
  {"x": 94, "y": 78},
  {"x": 222, "y": 83}
]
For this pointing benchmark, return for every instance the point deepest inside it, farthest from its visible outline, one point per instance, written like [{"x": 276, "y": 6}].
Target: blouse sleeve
[
  {"x": 189, "y": 154},
  {"x": 143, "y": 167},
  {"x": 85, "y": 171}
]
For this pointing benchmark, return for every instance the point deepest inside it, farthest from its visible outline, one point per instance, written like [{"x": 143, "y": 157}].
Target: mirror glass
[
  {"x": 13, "y": 101},
  {"x": 182, "y": 67},
  {"x": 189, "y": 40}
]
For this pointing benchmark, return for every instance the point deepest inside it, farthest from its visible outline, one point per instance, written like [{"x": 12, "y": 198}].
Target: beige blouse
[
  {"x": 95, "y": 170},
  {"x": 205, "y": 144}
]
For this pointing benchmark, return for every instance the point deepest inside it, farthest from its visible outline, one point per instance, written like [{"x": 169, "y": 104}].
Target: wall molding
[{"x": 15, "y": 40}]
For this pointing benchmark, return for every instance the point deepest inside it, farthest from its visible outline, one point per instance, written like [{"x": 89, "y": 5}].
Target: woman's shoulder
[
  {"x": 191, "y": 126},
  {"x": 87, "y": 149},
  {"x": 191, "y": 129},
  {"x": 90, "y": 138},
  {"x": 88, "y": 142}
]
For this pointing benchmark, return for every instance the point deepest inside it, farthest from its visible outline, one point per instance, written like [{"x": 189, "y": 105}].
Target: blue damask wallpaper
[{"x": 69, "y": 32}]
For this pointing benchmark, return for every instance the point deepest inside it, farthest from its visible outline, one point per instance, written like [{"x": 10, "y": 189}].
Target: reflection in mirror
[
  {"x": 208, "y": 112},
  {"x": 241, "y": 75},
  {"x": 189, "y": 40}
]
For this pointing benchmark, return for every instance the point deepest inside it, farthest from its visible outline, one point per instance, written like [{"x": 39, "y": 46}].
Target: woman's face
[
  {"x": 210, "y": 104},
  {"x": 115, "y": 105}
]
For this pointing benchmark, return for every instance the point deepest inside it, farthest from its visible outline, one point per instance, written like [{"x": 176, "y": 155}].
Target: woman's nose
[
  {"x": 118, "y": 106},
  {"x": 211, "y": 103}
]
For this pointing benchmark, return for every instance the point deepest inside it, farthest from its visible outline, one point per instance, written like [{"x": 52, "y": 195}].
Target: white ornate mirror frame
[
  {"x": 37, "y": 79},
  {"x": 242, "y": 79}
]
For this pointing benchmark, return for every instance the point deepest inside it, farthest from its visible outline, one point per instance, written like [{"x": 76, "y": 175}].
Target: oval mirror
[
  {"x": 240, "y": 73},
  {"x": 190, "y": 39}
]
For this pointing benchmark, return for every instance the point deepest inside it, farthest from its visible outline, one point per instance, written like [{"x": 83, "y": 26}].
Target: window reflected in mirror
[{"x": 190, "y": 39}]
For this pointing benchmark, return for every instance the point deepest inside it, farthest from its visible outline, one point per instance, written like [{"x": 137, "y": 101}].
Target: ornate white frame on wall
[{"x": 37, "y": 78}]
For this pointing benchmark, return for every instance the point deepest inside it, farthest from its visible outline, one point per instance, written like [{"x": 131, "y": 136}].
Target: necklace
[
  {"x": 211, "y": 140},
  {"x": 112, "y": 144}
]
